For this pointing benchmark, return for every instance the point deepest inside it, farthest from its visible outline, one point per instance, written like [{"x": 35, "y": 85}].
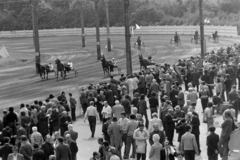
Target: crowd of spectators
[{"x": 44, "y": 130}]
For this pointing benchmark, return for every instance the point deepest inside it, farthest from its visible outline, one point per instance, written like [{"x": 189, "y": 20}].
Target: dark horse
[
  {"x": 42, "y": 70},
  {"x": 144, "y": 62},
  {"x": 105, "y": 65},
  {"x": 60, "y": 68}
]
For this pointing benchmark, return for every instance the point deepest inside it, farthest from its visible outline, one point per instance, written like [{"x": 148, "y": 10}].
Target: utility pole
[
  {"x": 201, "y": 28},
  {"x": 128, "y": 38},
  {"x": 97, "y": 30},
  {"x": 35, "y": 33},
  {"x": 108, "y": 29},
  {"x": 82, "y": 2}
]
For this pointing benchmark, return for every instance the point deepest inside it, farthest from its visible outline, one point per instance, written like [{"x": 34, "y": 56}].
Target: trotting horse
[
  {"x": 42, "y": 70},
  {"x": 60, "y": 68},
  {"x": 144, "y": 63},
  {"x": 105, "y": 66}
]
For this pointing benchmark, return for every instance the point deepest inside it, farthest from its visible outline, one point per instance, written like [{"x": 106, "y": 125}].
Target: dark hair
[
  {"x": 63, "y": 92},
  {"x": 132, "y": 116},
  {"x": 70, "y": 94},
  {"x": 35, "y": 102},
  {"x": 35, "y": 146},
  {"x": 40, "y": 103},
  {"x": 114, "y": 119},
  {"x": 211, "y": 129},
  {"x": 91, "y": 103},
  {"x": 123, "y": 113},
  {"x": 6, "y": 140},
  {"x": 142, "y": 97},
  {"x": 100, "y": 139},
  {"x": 60, "y": 139},
  {"x": 210, "y": 104},
  {"x": 23, "y": 138},
  {"x": 188, "y": 128},
  {"x": 193, "y": 104},
  {"x": 105, "y": 144},
  {"x": 23, "y": 114},
  {"x": 11, "y": 109},
  {"x": 95, "y": 154},
  {"x": 153, "y": 94},
  {"x": 22, "y": 105}
]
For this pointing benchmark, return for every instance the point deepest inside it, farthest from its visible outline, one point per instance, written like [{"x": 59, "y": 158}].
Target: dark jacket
[
  {"x": 170, "y": 124},
  {"x": 63, "y": 124},
  {"x": 26, "y": 151},
  {"x": 5, "y": 150},
  {"x": 63, "y": 152},
  {"x": 38, "y": 155},
  {"x": 43, "y": 123},
  {"x": 54, "y": 121},
  {"x": 48, "y": 150},
  {"x": 163, "y": 155},
  {"x": 206, "y": 78},
  {"x": 74, "y": 149},
  {"x": 195, "y": 122},
  {"x": 109, "y": 97},
  {"x": 105, "y": 131},
  {"x": 173, "y": 99},
  {"x": 127, "y": 106},
  {"x": 195, "y": 78},
  {"x": 212, "y": 143},
  {"x": 181, "y": 130},
  {"x": 142, "y": 106}
]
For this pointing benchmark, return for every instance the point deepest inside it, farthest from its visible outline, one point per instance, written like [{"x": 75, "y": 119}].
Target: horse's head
[
  {"x": 57, "y": 61},
  {"x": 140, "y": 57}
]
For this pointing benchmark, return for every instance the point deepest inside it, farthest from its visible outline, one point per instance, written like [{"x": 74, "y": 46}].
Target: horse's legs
[
  {"x": 40, "y": 73},
  {"x": 56, "y": 74},
  {"x": 47, "y": 74}
]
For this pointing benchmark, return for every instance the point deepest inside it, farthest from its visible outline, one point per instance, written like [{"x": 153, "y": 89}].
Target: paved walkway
[{"x": 87, "y": 145}]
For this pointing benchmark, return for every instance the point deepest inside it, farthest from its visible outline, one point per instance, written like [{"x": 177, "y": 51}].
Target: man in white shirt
[
  {"x": 106, "y": 111},
  {"x": 154, "y": 120},
  {"x": 92, "y": 115},
  {"x": 70, "y": 64}
]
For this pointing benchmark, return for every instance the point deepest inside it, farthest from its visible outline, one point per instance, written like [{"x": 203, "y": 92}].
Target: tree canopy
[{"x": 17, "y": 15}]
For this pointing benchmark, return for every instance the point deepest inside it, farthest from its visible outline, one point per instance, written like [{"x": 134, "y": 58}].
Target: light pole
[
  {"x": 82, "y": 2},
  {"x": 201, "y": 28},
  {"x": 35, "y": 33},
  {"x": 128, "y": 38},
  {"x": 108, "y": 29},
  {"x": 97, "y": 30}
]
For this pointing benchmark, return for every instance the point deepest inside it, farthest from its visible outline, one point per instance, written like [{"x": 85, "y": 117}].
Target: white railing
[{"x": 228, "y": 31}]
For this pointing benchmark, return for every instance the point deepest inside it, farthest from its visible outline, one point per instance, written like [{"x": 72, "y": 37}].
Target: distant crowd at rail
[{"x": 44, "y": 130}]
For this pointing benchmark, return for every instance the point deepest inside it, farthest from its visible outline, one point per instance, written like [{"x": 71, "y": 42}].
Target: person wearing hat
[{"x": 15, "y": 155}]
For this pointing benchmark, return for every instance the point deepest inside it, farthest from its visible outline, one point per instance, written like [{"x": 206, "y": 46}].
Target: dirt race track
[{"x": 19, "y": 82}]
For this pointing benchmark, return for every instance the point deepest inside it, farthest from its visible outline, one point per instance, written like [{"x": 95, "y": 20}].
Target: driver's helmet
[
  {"x": 139, "y": 37},
  {"x": 69, "y": 61},
  {"x": 175, "y": 33},
  {"x": 113, "y": 59}
]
